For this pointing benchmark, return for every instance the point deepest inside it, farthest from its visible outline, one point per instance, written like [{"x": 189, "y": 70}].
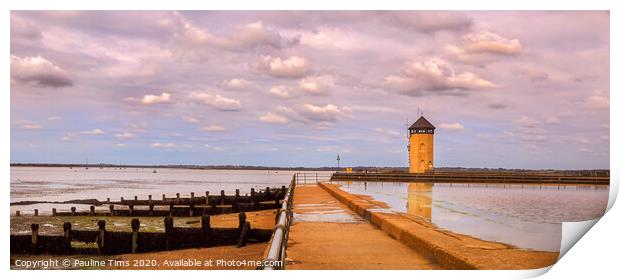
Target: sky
[{"x": 526, "y": 89}]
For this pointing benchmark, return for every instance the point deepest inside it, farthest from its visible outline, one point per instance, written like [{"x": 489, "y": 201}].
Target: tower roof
[{"x": 422, "y": 123}]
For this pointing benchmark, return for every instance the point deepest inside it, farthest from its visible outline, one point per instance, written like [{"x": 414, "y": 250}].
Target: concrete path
[{"x": 327, "y": 235}]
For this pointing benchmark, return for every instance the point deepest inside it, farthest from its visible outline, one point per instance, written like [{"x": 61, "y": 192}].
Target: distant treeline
[
  {"x": 177, "y": 166},
  {"x": 299, "y": 168}
]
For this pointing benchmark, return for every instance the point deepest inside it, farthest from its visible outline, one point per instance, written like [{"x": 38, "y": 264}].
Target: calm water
[
  {"x": 526, "y": 217},
  {"x": 60, "y": 184}
]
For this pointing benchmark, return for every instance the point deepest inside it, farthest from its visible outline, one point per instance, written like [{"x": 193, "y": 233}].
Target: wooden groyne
[
  {"x": 134, "y": 241},
  {"x": 178, "y": 206},
  {"x": 471, "y": 177}
]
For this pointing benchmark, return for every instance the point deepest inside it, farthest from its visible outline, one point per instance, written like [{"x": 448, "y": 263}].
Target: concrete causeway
[{"x": 326, "y": 234}]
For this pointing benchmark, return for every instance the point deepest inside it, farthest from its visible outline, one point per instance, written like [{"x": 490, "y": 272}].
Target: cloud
[
  {"x": 316, "y": 85},
  {"x": 429, "y": 21},
  {"x": 38, "y": 71},
  {"x": 597, "y": 102},
  {"x": 315, "y": 116},
  {"x": 480, "y": 48},
  {"x": 291, "y": 67},
  {"x": 497, "y": 106},
  {"x": 273, "y": 118},
  {"x": 217, "y": 101},
  {"x": 525, "y": 121},
  {"x": 28, "y": 125},
  {"x": 238, "y": 84},
  {"x": 388, "y": 132},
  {"x": 489, "y": 42},
  {"x": 280, "y": 91},
  {"x": 69, "y": 136},
  {"x": 533, "y": 74},
  {"x": 332, "y": 39},
  {"x": 163, "y": 145},
  {"x": 54, "y": 118},
  {"x": 191, "y": 120},
  {"x": 328, "y": 113},
  {"x": 242, "y": 37},
  {"x": 584, "y": 141},
  {"x": 254, "y": 34},
  {"x": 124, "y": 135},
  {"x": 95, "y": 131},
  {"x": 529, "y": 129},
  {"x": 213, "y": 128},
  {"x": 451, "y": 126},
  {"x": 553, "y": 120},
  {"x": 434, "y": 75},
  {"x": 149, "y": 99},
  {"x": 20, "y": 28}
]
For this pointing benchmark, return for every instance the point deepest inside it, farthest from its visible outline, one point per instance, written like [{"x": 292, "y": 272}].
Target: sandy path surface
[{"x": 328, "y": 235}]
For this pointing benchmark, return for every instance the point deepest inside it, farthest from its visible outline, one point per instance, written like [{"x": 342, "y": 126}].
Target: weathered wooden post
[
  {"x": 35, "y": 238},
  {"x": 191, "y": 195},
  {"x": 242, "y": 218},
  {"x": 67, "y": 234},
  {"x": 151, "y": 206},
  {"x": 191, "y": 209},
  {"x": 283, "y": 193},
  {"x": 111, "y": 209},
  {"x": 135, "y": 198},
  {"x": 205, "y": 222},
  {"x": 101, "y": 237},
  {"x": 243, "y": 234},
  {"x": 253, "y": 199},
  {"x": 207, "y": 198},
  {"x": 92, "y": 210},
  {"x": 235, "y": 204},
  {"x": 171, "y": 209},
  {"x": 122, "y": 199},
  {"x": 135, "y": 227},
  {"x": 163, "y": 197},
  {"x": 107, "y": 200},
  {"x": 178, "y": 197},
  {"x": 267, "y": 194},
  {"x": 169, "y": 229},
  {"x": 36, "y": 212},
  {"x": 72, "y": 211},
  {"x": 17, "y": 213},
  {"x": 150, "y": 198},
  {"x": 130, "y": 209},
  {"x": 222, "y": 197},
  {"x": 53, "y": 211}
]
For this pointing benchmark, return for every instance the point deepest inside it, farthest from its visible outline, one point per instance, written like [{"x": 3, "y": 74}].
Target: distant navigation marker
[{"x": 338, "y": 159}]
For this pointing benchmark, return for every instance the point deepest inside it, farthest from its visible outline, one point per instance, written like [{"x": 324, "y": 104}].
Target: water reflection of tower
[{"x": 420, "y": 200}]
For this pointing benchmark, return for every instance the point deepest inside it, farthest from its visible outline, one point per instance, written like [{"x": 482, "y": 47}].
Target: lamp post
[{"x": 338, "y": 159}]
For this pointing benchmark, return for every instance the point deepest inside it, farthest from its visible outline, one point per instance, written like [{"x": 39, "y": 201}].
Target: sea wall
[{"x": 450, "y": 250}]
